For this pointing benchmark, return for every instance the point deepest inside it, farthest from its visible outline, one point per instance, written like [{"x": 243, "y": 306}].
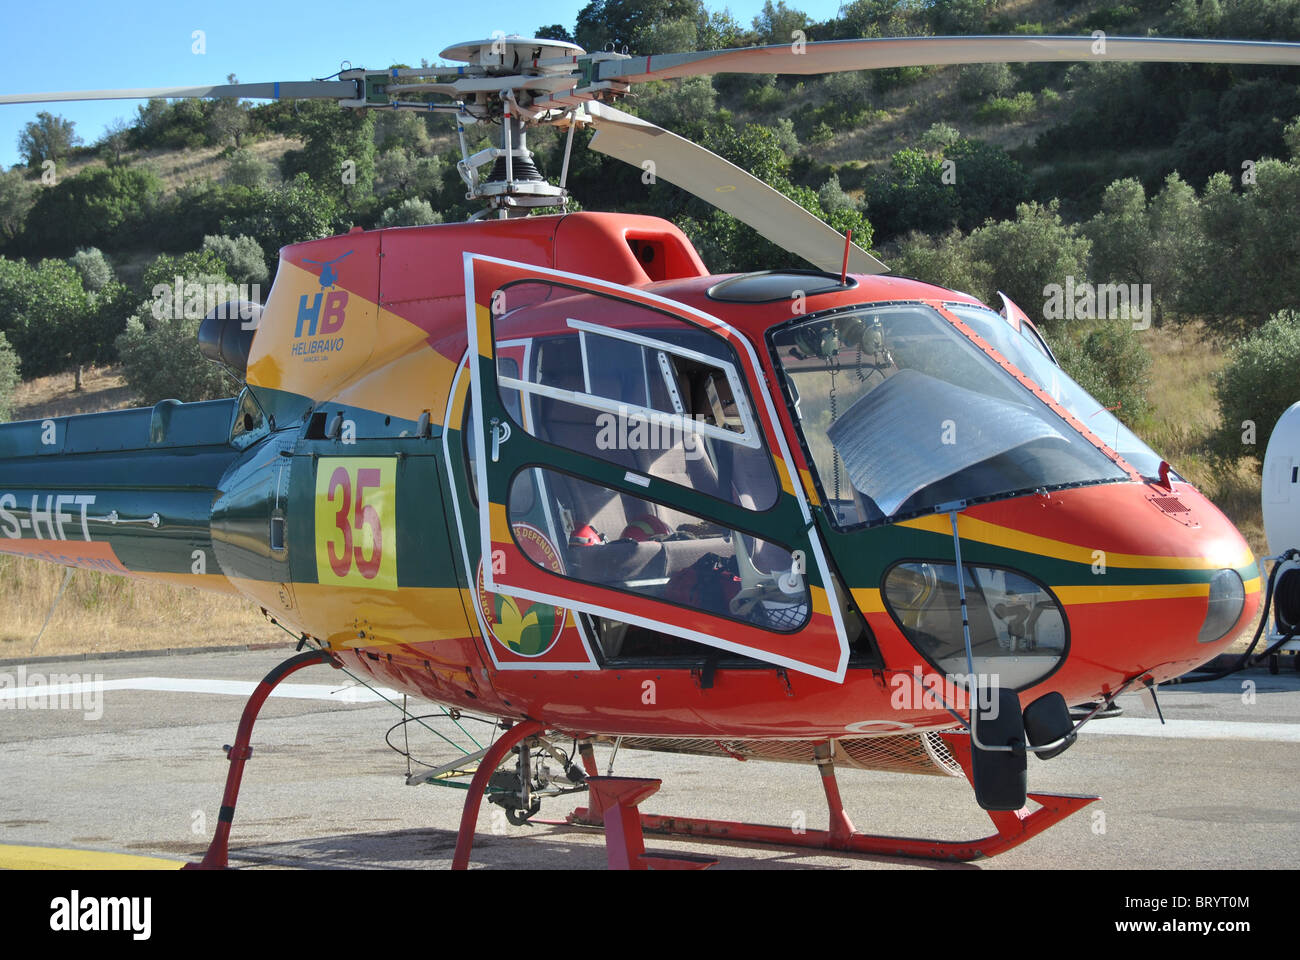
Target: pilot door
[{"x": 630, "y": 466}]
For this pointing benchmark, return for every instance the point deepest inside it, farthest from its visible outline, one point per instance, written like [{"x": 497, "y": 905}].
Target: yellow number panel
[{"x": 356, "y": 522}]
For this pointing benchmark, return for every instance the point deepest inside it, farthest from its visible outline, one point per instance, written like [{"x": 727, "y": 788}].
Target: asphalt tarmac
[{"x": 139, "y": 771}]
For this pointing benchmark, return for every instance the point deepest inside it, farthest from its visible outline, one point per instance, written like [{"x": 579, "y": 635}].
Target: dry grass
[
  {"x": 99, "y": 612},
  {"x": 103, "y": 388},
  {"x": 1184, "y": 414}
]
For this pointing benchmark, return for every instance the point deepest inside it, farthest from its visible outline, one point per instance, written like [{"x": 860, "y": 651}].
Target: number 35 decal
[{"x": 356, "y": 521}]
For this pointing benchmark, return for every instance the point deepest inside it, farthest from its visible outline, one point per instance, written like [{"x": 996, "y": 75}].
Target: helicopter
[{"x": 544, "y": 466}]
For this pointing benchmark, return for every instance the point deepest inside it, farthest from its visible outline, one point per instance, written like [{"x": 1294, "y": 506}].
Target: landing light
[{"x": 1227, "y": 597}]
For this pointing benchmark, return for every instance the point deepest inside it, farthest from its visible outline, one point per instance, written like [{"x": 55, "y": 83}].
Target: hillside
[{"x": 980, "y": 178}]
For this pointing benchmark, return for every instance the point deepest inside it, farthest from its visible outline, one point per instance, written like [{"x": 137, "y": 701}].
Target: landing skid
[
  {"x": 614, "y": 802},
  {"x": 625, "y": 848},
  {"x": 217, "y": 856}
]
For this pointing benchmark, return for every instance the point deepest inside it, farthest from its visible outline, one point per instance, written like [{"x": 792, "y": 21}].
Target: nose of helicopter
[
  {"x": 1081, "y": 590},
  {"x": 1170, "y": 581}
]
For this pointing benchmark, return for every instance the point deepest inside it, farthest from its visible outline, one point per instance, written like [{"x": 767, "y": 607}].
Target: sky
[{"x": 89, "y": 44}]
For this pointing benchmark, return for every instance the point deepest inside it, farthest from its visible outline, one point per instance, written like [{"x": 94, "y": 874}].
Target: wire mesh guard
[
  {"x": 922, "y": 753},
  {"x": 785, "y": 616}
]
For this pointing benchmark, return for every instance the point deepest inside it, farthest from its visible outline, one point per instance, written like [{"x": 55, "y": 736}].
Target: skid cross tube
[
  {"x": 1013, "y": 827},
  {"x": 217, "y": 856}
]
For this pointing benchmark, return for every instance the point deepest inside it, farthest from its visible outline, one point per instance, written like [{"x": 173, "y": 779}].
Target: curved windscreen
[
  {"x": 1055, "y": 382},
  {"x": 900, "y": 412}
]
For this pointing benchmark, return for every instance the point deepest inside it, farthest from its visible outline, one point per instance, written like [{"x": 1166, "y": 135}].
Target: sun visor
[{"x": 914, "y": 430}]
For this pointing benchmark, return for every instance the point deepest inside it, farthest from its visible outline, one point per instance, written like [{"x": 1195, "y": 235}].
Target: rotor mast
[{"x": 510, "y": 83}]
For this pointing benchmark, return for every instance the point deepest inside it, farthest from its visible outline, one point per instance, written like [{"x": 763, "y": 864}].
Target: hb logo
[{"x": 328, "y": 315}]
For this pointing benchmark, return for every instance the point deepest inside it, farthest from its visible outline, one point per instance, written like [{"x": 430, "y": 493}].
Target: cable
[{"x": 1246, "y": 658}]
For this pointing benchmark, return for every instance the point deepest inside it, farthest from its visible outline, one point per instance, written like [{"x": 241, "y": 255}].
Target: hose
[{"x": 1247, "y": 658}]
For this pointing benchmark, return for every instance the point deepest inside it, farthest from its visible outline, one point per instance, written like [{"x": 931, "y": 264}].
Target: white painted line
[
  {"x": 1194, "y": 729},
  {"x": 234, "y": 688}
]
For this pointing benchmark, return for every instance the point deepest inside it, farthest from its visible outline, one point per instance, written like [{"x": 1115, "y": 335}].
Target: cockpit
[{"x": 900, "y": 412}]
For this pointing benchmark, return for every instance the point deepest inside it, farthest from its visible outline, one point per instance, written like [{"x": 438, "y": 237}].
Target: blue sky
[{"x": 84, "y": 45}]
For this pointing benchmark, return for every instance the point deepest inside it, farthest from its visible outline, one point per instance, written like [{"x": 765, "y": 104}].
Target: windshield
[
  {"x": 1055, "y": 382},
  {"x": 901, "y": 412}
]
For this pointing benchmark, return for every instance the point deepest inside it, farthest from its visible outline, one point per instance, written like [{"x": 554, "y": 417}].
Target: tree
[
  {"x": 1175, "y": 230},
  {"x": 47, "y": 138},
  {"x": 279, "y": 216},
  {"x": 946, "y": 261},
  {"x": 1257, "y": 385},
  {"x": 159, "y": 346},
  {"x": 115, "y": 141},
  {"x": 246, "y": 169},
  {"x": 229, "y": 121},
  {"x": 986, "y": 181},
  {"x": 401, "y": 128},
  {"x": 1029, "y": 253},
  {"x": 339, "y": 157},
  {"x": 410, "y": 213},
  {"x": 48, "y": 316},
  {"x": 8, "y": 377},
  {"x": 1121, "y": 234},
  {"x": 553, "y": 31},
  {"x": 100, "y": 205},
  {"x": 1108, "y": 360},
  {"x": 416, "y": 175},
  {"x": 645, "y": 27},
  {"x": 94, "y": 268},
  {"x": 777, "y": 23},
  {"x": 16, "y": 199},
  {"x": 161, "y": 359},
  {"x": 912, "y": 195},
  {"x": 241, "y": 256}
]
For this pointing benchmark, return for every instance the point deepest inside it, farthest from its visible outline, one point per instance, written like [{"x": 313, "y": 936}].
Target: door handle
[{"x": 500, "y": 434}]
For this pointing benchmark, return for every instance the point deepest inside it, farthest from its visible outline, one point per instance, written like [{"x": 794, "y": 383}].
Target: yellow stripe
[
  {"x": 54, "y": 858},
  {"x": 783, "y": 472},
  {"x": 1119, "y": 593},
  {"x": 498, "y": 523},
  {"x": 819, "y": 603},
  {"x": 484, "y": 316},
  {"x": 1252, "y": 585},
  {"x": 810, "y": 488},
  {"x": 984, "y": 532},
  {"x": 869, "y": 600}
]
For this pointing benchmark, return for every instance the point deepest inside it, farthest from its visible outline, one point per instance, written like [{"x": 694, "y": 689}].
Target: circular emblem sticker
[{"x": 524, "y": 627}]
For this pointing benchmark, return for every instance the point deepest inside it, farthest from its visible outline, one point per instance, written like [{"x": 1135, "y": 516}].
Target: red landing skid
[
  {"x": 614, "y": 802},
  {"x": 625, "y": 849}
]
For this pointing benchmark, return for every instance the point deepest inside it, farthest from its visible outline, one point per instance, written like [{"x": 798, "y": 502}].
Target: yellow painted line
[
  {"x": 498, "y": 524},
  {"x": 984, "y": 532},
  {"x": 484, "y": 318},
  {"x": 810, "y": 488},
  {"x": 783, "y": 472},
  {"x": 869, "y": 600},
  {"x": 1137, "y": 591},
  {"x": 819, "y": 602},
  {"x": 57, "y": 858}
]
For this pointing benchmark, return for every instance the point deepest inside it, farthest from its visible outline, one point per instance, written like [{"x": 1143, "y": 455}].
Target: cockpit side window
[{"x": 660, "y": 398}]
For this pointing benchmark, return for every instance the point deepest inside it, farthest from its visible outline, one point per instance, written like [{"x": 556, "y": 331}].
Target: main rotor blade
[
  {"x": 833, "y": 56},
  {"x": 292, "y": 90},
  {"x": 724, "y": 185}
]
